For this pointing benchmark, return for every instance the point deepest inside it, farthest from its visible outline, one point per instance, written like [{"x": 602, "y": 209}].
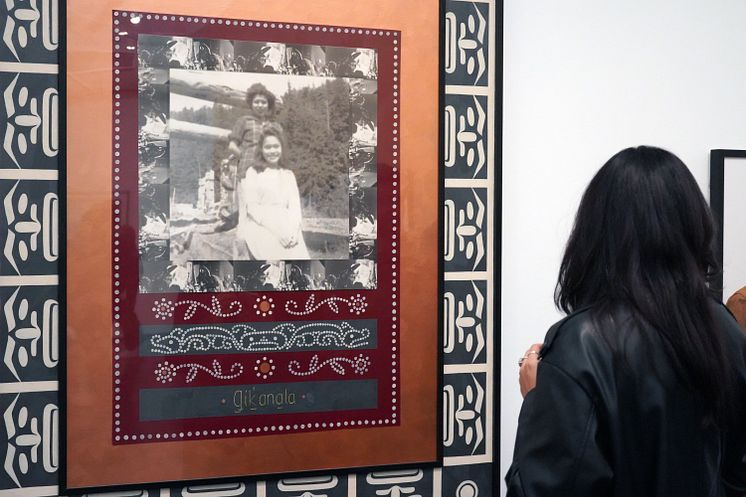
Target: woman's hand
[
  {"x": 288, "y": 241},
  {"x": 286, "y": 237},
  {"x": 529, "y": 365}
]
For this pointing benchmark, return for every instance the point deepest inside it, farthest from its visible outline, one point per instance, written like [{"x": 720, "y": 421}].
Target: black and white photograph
[
  {"x": 163, "y": 276},
  {"x": 363, "y": 173},
  {"x": 258, "y": 57},
  {"x": 284, "y": 275},
  {"x": 258, "y": 152},
  {"x": 260, "y": 171},
  {"x": 363, "y": 223},
  {"x": 203, "y": 276}
]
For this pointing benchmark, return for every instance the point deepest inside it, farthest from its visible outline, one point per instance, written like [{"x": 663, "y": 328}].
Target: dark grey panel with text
[{"x": 242, "y": 400}]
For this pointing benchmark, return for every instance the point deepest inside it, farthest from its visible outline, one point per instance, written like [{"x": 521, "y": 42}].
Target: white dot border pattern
[
  {"x": 120, "y": 436},
  {"x": 252, "y": 24},
  {"x": 116, "y": 227},
  {"x": 395, "y": 378}
]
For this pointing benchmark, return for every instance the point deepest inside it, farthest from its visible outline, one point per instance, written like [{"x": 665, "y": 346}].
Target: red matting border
[{"x": 131, "y": 309}]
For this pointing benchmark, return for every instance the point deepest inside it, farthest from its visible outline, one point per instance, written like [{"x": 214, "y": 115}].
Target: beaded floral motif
[
  {"x": 165, "y": 372},
  {"x": 264, "y": 368},
  {"x": 264, "y": 305},
  {"x": 164, "y": 309},
  {"x": 358, "y": 364},
  {"x": 356, "y": 304},
  {"x": 245, "y": 338}
]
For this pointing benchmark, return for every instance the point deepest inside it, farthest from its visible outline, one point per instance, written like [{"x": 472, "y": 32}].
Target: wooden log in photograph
[
  {"x": 213, "y": 93},
  {"x": 197, "y": 131}
]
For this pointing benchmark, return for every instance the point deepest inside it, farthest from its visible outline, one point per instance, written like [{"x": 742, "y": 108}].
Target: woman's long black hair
[{"x": 644, "y": 239}]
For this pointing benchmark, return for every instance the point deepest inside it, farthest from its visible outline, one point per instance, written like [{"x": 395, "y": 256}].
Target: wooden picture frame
[{"x": 329, "y": 373}]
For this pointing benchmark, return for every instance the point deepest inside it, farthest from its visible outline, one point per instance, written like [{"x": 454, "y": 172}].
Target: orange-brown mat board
[{"x": 93, "y": 458}]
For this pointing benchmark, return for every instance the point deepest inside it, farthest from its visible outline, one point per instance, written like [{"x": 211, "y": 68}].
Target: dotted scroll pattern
[
  {"x": 166, "y": 372},
  {"x": 165, "y": 308},
  {"x": 357, "y": 304}
]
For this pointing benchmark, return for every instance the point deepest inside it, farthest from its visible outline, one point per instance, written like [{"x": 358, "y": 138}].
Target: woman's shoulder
[
  {"x": 585, "y": 335},
  {"x": 728, "y": 324},
  {"x": 574, "y": 327},
  {"x": 286, "y": 172},
  {"x": 248, "y": 120},
  {"x": 588, "y": 331},
  {"x": 581, "y": 345}
]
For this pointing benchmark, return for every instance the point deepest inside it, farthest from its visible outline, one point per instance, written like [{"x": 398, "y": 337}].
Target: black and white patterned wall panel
[
  {"x": 331, "y": 486},
  {"x": 465, "y": 412},
  {"x": 404, "y": 483},
  {"x": 29, "y": 247},
  {"x": 30, "y": 440},
  {"x": 468, "y": 480},
  {"x": 468, "y": 27},
  {"x": 465, "y": 137},
  {"x": 469, "y": 247},
  {"x": 29, "y": 250},
  {"x": 30, "y": 31},
  {"x": 29, "y": 228},
  {"x": 30, "y": 318},
  {"x": 237, "y": 489},
  {"x": 465, "y": 333},
  {"x": 466, "y": 217},
  {"x": 30, "y": 106}
]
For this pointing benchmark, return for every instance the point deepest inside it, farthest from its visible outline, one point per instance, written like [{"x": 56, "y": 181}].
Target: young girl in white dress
[{"x": 269, "y": 204}]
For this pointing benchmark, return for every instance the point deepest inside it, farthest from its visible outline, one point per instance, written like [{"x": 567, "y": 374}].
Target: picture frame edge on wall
[{"x": 717, "y": 201}]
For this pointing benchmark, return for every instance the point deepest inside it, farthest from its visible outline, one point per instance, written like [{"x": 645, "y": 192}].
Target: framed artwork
[
  {"x": 727, "y": 183},
  {"x": 252, "y": 240}
]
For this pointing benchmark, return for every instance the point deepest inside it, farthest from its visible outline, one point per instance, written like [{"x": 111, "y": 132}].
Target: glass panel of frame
[{"x": 258, "y": 201}]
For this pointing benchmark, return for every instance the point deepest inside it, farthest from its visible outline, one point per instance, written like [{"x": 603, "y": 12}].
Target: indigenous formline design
[{"x": 246, "y": 338}]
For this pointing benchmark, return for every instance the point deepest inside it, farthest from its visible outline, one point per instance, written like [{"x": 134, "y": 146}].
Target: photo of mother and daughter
[
  {"x": 266, "y": 196},
  {"x": 259, "y": 167}
]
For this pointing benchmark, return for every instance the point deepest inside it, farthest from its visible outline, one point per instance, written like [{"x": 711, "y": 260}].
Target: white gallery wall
[{"x": 582, "y": 80}]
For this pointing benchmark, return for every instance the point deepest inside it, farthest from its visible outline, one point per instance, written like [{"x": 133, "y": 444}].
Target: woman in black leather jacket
[{"x": 640, "y": 390}]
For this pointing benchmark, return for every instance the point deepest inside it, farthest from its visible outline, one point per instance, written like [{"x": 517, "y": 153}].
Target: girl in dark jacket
[
  {"x": 242, "y": 144},
  {"x": 640, "y": 390}
]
